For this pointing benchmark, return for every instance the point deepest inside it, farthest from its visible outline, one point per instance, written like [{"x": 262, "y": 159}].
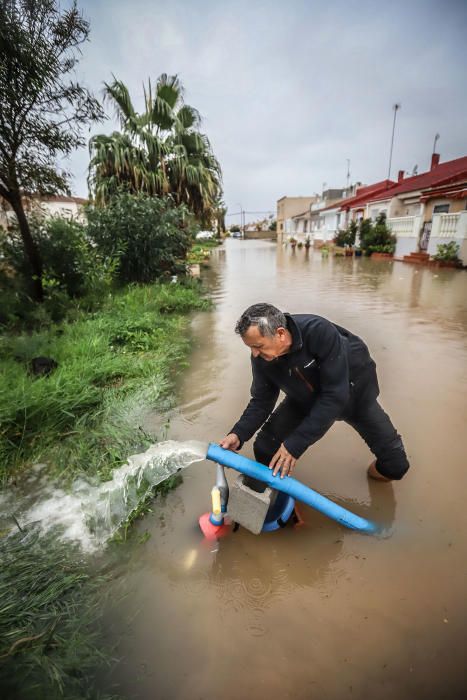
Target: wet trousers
[{"x": 370, "y": 421}]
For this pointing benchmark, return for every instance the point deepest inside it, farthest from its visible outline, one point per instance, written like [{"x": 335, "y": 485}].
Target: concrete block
[{"x": 249, "y": 502}]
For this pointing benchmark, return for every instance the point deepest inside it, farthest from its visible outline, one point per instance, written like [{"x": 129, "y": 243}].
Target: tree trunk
[{"x": 30, "y": 248}]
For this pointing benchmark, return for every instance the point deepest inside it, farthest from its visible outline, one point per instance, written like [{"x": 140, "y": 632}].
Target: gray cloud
[{"x": 289, "y": 91}]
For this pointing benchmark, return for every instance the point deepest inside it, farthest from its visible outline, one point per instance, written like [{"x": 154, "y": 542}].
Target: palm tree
[{"x": 159, "y": 152}]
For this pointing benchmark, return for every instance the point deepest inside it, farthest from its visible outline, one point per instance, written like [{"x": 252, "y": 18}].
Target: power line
[{"x": 237, "y": 213}]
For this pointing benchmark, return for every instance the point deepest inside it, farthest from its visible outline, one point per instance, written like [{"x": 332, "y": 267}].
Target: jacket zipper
[{"x": 299, "y": 374}]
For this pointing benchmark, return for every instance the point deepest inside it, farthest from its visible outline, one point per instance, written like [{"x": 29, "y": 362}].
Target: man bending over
[{"x": 326, "y": 374}]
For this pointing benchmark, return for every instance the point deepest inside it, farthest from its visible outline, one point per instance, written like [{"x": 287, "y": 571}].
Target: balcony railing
[
  {"x": 446, "y": 226},
  {"x": 405, "y": 226}
]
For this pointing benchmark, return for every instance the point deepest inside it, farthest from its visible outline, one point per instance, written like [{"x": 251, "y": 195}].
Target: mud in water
[{"x": 320, "y": 611}]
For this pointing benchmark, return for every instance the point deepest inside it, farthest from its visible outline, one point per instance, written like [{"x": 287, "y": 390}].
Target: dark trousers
[{"x": 367, "y": 418}]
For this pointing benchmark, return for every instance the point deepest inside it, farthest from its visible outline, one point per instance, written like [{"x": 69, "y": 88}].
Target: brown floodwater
[{"x": 319, "y": 611}]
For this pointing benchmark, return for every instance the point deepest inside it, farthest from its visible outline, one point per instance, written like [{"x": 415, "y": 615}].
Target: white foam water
[{"x": 90, "y": 514}]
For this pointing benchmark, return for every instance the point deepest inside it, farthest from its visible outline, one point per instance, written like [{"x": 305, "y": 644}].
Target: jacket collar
[{"x": 297, "y": 341}]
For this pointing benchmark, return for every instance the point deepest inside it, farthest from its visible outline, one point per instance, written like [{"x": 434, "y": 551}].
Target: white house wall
[
  {"x": 446, "y": 228},
  {"x": 407, "y": 231}
]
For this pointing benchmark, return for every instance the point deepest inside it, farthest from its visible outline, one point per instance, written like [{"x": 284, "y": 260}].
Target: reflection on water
[{"x": 317, "y": 611}]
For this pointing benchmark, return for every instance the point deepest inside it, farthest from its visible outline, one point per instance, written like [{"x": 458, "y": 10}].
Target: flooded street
[{"x": 318, "y": 611}]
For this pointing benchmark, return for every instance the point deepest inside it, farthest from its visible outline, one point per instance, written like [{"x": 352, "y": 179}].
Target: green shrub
[
  {"x": 447, "y": 252},
  {"x": 347, "y": 236},
  {"x": 73, "y": 269},
  {"x": 377, "y": 237},
  {"x": 149, "y": 236}
]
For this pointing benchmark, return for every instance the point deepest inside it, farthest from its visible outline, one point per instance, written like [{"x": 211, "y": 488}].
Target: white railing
[
  {"x": 405, "y": 226},
  {"x": 324, "y": 233},
  {"x": 449, "y": 225}
]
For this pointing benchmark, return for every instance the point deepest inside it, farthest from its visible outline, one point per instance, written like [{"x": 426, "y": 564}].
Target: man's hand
[
  {"x": 283, "y": 462},
  {"x": 230, "y": 442}
]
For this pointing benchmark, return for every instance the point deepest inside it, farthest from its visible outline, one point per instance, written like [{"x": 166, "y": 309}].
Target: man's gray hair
[{"x": 266, "y": 316}]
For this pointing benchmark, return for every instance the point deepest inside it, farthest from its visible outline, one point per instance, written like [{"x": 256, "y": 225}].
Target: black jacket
[{"x": 324, "y": 366}]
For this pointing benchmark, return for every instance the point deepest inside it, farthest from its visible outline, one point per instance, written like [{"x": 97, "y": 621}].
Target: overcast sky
[{"x": 289, "y": 90}]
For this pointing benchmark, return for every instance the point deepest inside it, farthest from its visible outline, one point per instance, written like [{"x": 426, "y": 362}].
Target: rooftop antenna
[
  {"x": 348, "y": 173},
  {"x": 396, "y": 107}
]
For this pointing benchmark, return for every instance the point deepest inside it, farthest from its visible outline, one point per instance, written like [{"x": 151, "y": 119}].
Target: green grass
[
  {"x": 113, "y": 366},
  {"x": 50, "y": 644}
]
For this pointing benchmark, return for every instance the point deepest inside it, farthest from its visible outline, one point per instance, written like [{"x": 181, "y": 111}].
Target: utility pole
[
  {"x": 395, "y": 108},
  {"x": 242, "y": 220},
  {"x": 435, "y": 142}
]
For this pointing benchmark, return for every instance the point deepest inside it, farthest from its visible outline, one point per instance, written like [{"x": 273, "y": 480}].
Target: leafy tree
[
  {"x": 42, "y": 110},
  {"x": 149, "y": 236},
  {"x": 273, "y": 225},
  {"x": 235, "y": 229},
  {"x": 160, "y": 151}
]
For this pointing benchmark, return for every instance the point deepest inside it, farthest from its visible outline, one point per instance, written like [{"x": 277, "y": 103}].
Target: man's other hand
[
  {"x": 283, "y": 462},
  {"x": 230, "y": 442}
]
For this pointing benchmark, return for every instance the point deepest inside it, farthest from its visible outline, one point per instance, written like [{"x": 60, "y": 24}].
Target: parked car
[
  {"x": 205, "y": 235},
  {"x": 236, "y": 234}
]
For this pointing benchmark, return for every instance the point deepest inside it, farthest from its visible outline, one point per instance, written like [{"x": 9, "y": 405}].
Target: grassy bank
[
  {"x": 112, "y": 366},
  {"x": 51, "y": 605}
]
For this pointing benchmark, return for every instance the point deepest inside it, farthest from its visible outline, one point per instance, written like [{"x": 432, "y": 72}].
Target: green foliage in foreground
[
  {"x": 49, "y": 612},
  {"x": 113, "y": 367}
]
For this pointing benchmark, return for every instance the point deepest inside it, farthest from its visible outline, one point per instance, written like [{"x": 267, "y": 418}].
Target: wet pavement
[{"x": 318, "y": 611}]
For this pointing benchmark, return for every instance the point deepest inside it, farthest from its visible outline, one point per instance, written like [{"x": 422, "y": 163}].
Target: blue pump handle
[{"x": 290, "y": 486}]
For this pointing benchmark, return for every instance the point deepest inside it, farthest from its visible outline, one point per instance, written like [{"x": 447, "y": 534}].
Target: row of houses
[{"x": 422, "y": 210}]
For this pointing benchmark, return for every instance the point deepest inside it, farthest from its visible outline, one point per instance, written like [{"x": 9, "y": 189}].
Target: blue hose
[{"x": 290, "y": 486}]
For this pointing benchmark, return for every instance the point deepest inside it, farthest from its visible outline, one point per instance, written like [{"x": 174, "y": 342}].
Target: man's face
[{"x": 267, "y": 347}]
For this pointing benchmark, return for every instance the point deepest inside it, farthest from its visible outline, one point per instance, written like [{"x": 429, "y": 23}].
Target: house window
[{"x": 441, "y": 209}]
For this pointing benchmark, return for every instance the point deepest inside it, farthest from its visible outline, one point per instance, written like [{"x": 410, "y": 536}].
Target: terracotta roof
[
  {"x": 442, "y": 174},
  {"x": 457, "y": 191},
  {"x": 362, "y": 195}
]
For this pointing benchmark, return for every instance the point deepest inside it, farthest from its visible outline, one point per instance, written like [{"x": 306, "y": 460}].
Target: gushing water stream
[{"x": 91, "y": 513}]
